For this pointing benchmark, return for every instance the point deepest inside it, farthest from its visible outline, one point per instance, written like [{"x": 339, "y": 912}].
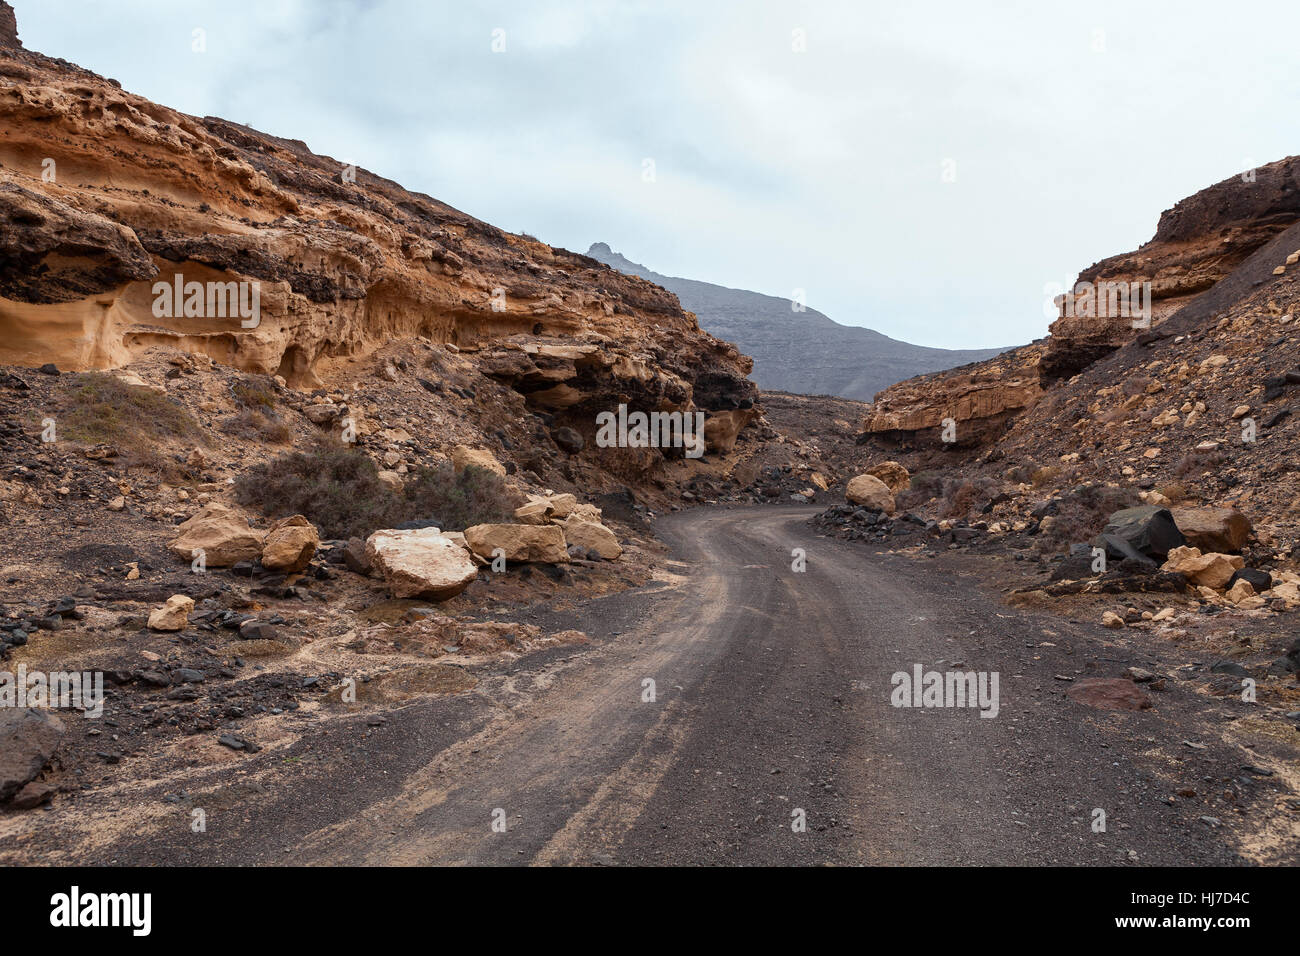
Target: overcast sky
[{"x": 922, "y": 171}]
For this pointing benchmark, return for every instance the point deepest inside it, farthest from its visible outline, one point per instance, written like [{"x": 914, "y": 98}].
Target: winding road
[{"x": 770, "y": 707}]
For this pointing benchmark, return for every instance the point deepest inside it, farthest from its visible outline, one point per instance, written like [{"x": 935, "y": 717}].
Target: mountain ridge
[{"x": 841, "y": 360}]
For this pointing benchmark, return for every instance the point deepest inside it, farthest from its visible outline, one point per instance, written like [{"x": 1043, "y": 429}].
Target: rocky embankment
[
  {"x": 1197, "y": 409},
  {"x": 1139, "y": 476}
]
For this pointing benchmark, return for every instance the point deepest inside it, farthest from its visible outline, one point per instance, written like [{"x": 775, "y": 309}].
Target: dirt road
[{"x": 771, "y": 704}]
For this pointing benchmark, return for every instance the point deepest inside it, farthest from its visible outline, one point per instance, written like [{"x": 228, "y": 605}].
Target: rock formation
[
  {"x": 8, "y": 27},
  {"x": 979, "y": 400},
  {"x": 126, "y": 225},
  {"x": 1210, "y": 252},
  {"x": 421, "y": 563},
  {"x": 1197, "y": 243}
]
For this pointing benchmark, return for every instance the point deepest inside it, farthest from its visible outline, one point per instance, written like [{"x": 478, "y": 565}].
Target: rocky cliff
[
  {"x": 1204, "y": 258},
  {"x": 1200, "y": 241},
  {"x": 1198, "y": 408},
  {"x": 114, "y": 209}
]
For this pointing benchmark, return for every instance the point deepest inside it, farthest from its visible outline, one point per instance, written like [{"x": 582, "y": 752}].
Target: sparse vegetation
[
  {"x": 258, "y": 417},
  {"x": 256, "y": 425},
  {"x": 1197, "y": 463},
  {"x": 1021, "y": 474},
  {"x": 922, "y": 487},
  {"x": 101, "y": 409},
  {"x": 1135, "y": 385},
  {"x": 963, "y": 495},
  {"x": 255, "y": 393},
  {"x": 1175, "y": 491},
  {"x": 339, "y": 490},
  {"x": 1043, "y": 476},
  {"x": 475, "y": 496},
  {"x": 1081, "y": 514}
]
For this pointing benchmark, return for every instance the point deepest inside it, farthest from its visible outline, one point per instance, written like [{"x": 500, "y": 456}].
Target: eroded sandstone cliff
[
  {"x": 106, "y": 198},
  {"x": 1199, "y": 243}
]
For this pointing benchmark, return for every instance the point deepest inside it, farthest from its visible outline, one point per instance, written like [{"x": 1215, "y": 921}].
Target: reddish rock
[
  {"x": 1109, "y": 693},
  {"x": 8, "y": 27},
  {"x": 1224, "y": 530}
]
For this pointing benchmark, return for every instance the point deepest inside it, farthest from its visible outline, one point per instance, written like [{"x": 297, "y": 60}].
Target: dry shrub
[
  {"x": 1044, "y": 475},
  {"x": 1082, "y": 514},
  {"x": 255, "y": 393},
  {"x": 338, "y": 490},
  {"x": 99, "y": 408},
  {"x": 964, "y": 495},
  {"x": 1198, "y": 463},
  {"x": 922, "y": 487},
  {"x": 1135, "y": 385},
  {"x": 1175, "y": 492},
  {"x": 1021, "y": 474},
  {"x": 255, "y": 425}
]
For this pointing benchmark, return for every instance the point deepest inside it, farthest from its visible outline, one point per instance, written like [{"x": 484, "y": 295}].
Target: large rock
[
  {"x": 1109, "y": 693},
  {"x": 592, "y": 536},
  {"x": 894, "y": 475},
  {"x": 421, "y": 563},
  {"x": 721, "y": 429},
  {"x": 519, "y": 542},
  {"x": 977, "y": 401},
  {"x": 289, "y": 545},
  {"x": 221, "y": 533},
  {"x": 560, "y": 506},
  {"x": 1224, "y": 530},
  {"x": 870, "y": 492},
  {"x": 1207, "y": 570},
  {"x": 568, "y": 439},
  {"x": 28, "y": 739},
  {"x": 534, "y": 512},
  {"x": 462, "y": 456},
  {"x": 543, "y": 509},
  {"x": 173, "y": 615},
  {"x": 583, "y": 512},
  {"x": 1148, "y": 529}
]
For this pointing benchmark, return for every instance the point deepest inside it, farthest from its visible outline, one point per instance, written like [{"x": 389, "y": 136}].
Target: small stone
[{"x": 173, "y": 615}]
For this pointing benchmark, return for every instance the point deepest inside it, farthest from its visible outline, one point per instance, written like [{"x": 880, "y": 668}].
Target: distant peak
[{"x": 601, "y": 252}]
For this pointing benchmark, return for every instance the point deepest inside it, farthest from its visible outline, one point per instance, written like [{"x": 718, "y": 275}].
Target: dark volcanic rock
[
  {"x": 28, "y": 739},
  {"x": 1146, "y": 531}
]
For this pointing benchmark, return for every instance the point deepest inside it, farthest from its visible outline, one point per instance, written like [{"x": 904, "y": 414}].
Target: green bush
[{"x": 338, "y": 490}]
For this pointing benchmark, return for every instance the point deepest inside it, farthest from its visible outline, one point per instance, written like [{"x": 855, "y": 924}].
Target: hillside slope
[{"x": 1197, "y": 409}]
